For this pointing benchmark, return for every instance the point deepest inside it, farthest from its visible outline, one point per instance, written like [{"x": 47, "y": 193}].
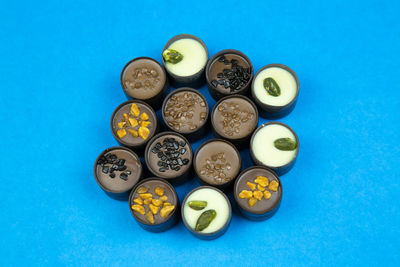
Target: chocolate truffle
[
  {"x": 274, "y": 145},
  {"x": 145, "y": 79},
  {"x": 229, "y": 72},
  {"x": 185, "y": 111},
  {"x": 154, "y": 204},
  {"x": 185, "y": 57},
  {"x": 117, "y": 170},
  {"x": 169, "y": 155},
  {"x": 206, "y": 212},
  {"x": 217, "y": 162},
  {"x": 258, "y": 192},
  {"x": 234, "y": 118},
  {"x": 133, "y": 124},
  {"x": 275, "y": 89}
]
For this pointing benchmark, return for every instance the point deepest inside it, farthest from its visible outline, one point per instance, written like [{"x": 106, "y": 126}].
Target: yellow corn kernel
[
  {"x": 145, "y": 123},
  {"x": 251, "y": 185},
  {"x": 144, "y": 116},
  {"x": 252, "y": 201},
  {"x": 121, "y": 133},
  {"x": 145, "y": 195},
  {"x": 121, "y": 124},
  {"x": 150, "y": 217},
  {"x": 166, "y": 210},
  {"x": 261, "y": 188},
  {"x": 142, "y": 190},
  {"x": 138, "y": 208},
  {"x": 245, "y": 194},
  {"x": 135, "y": 110},
  {"x": 125, "y": 117},
  {"x": 147, "y": 201},
  {"x": 273, "y": 186},
  {"x": 258, "y": 195},
  {"x": 154, "y": 209},
  {"x": 132, "y": 132},
  {"x": 167, "y": 204},
  {"x": 133, "y": 122},
  {"x": 144, "y": 132},
  {"x": 138, "y": 201},
  {"x": 267, "y": 194},
  {"x": 164, "y": 198},
  {"x": 159, "y": 191},
  {"x": 262, "y": 180},
  {"x": 156, "y": 202}
]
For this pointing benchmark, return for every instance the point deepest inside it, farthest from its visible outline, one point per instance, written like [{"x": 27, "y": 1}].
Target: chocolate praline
[
  {"x": 234, "y": 118},
  {"x": 217, "y": 162},
  {"x": 264, "y": 208},
  {"x": 145, "y": 79},
  {"x": 229, "y": 72},
  {"x": 270, "y": 108},
  {"x": 117, "y": 182},
  {"x": 160, "y": 223},
  {"x": 185, "y": 110},
  {"x": 136, "y": 143},
  {"x": 168, "y": 155},
  {"x": 194, "y": 79},
  {"x": 281, "y": 161}
]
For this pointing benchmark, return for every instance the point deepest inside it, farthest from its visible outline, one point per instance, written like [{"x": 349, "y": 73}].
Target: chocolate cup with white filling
[
  {"x": 247, "y": 124},
  {"x": 281, "y": 169},
  {"x": 207, "y": 236},
  {"x": 117, "y": 187},
  {"x": 264, "y": 208},
  {"x": 160, "y": 224},
  {"x": 199, "y": 108},
  {"x": 174, "y": 156},
  {"x": 273, "y": 112},
  {"x": 145, "y": 79},
  {"x": 136, "y": 143},
  {"x": 196, "y": 80},
  {"x": 214, "y": 67},
  {"x": 229, "y": 163}
]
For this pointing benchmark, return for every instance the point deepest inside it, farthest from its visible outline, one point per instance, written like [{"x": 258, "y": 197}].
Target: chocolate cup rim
[
  {"x": 107, "y": 150},
  {"x": 258, "y": 162},
  {"x": 183, "y": 213},
  {"x": 137, "y": 58},
  {"x": 142, "y": 182},
  {"x": 248, "y": 209},
  {"x": 133, "y": 101},
  {"x": 147, "y": 150},
  {"x": 206, "y": 143},
  {"x": 179, "y": 37},
  {"x": 223, "y": 52},
  {"x": 178, "y": 90},
  {"x": 234, "y": 96},
  {"x": 268, "y": 107}
]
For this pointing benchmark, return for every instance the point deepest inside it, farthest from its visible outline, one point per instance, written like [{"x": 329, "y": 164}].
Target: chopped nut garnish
[
  {"x": 132, "y": 132},
  {"x": 133, "y": 122},
  {"x": 262, "y": 180},
  {"x": 159, "y": 191},
  {"x": 145, "y": 195},
  {"x": 138, "y": 208},
  {"x": 144, "y": 116},
  {"x": 138, "y": 201},
  {"x": 258, "y": 195},
  {"x": 246, "y": 194},
  {"x": 150, "y": 217},
  {"x": 166, "y": 210},
  {"x": 273, "y": 186},
  {"x": 135, "y": 110},
  {"x": 156, "y": 202},
  {"x": 142, "y": 190},
  {"x": 261, "y": 188},
  {"x": 251, "y": 185},
  {"x": 121, "y": 133},
  {"x": 154, "y": 209},
  {"x": 252, "y": 201},
  {"x": 267, "y": 194},
  {"x": 144, "y": 132},
  {"x": 147, "y": 201},
  {"x": 121, "y": 124}
]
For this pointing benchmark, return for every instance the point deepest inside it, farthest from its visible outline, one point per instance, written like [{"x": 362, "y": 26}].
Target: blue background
[{"x": 59, "y": 75}]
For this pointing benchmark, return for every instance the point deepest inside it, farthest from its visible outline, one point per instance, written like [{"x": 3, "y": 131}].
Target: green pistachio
[
  {"x": 197, "y": 204},
  {"x": 172, "y": 56},
  {"x": 272, "y": 87},
  {"x": 205, "y": 219},
  {"x": 285, "y": 144}
]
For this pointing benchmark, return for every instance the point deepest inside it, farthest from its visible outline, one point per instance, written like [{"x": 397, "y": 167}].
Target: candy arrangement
[{"x": 165, "y": 145}]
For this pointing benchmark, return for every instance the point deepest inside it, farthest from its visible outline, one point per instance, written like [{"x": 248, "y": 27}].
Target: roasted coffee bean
[
  {"x": 185, "y": 161},
  {"x": 123, "y": 176},
  {"x": 214, "y": 83},
  {"x": 121, "y": 162},
  {"x": 105, "y": 169},
  {"x": 112, "y": 175},
  {"x": 122, "y": 168},
  {"x": 182, "y": 143}
]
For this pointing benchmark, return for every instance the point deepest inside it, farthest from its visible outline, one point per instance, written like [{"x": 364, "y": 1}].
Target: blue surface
[{"x": 60, "y": 66}]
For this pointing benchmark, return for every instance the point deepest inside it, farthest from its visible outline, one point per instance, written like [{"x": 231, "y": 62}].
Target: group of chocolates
[{"x": 168, "y": 156}]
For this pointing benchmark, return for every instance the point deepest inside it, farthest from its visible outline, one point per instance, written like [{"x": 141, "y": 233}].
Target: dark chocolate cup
[
  {"x": 123, "y": 194},
  {"x": 273, "y": 112},
  {"x": 225, "y": 186},
  {"x": 281, "y": 169},
  {"x": 213, "y": 91},
  {"x": 245, "y": 210},
  {"x": 240, "y": 143},
  {"x": 196, "y": 80},
  {"x": 197, "y": 133},
  {"x": 156, "y": 100},
  {"x": 176, "y": 179},
  {"x": 172, "y": 218},
  {"x": 207, "y": 236},
  {"x": 138, "y": 148}
]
